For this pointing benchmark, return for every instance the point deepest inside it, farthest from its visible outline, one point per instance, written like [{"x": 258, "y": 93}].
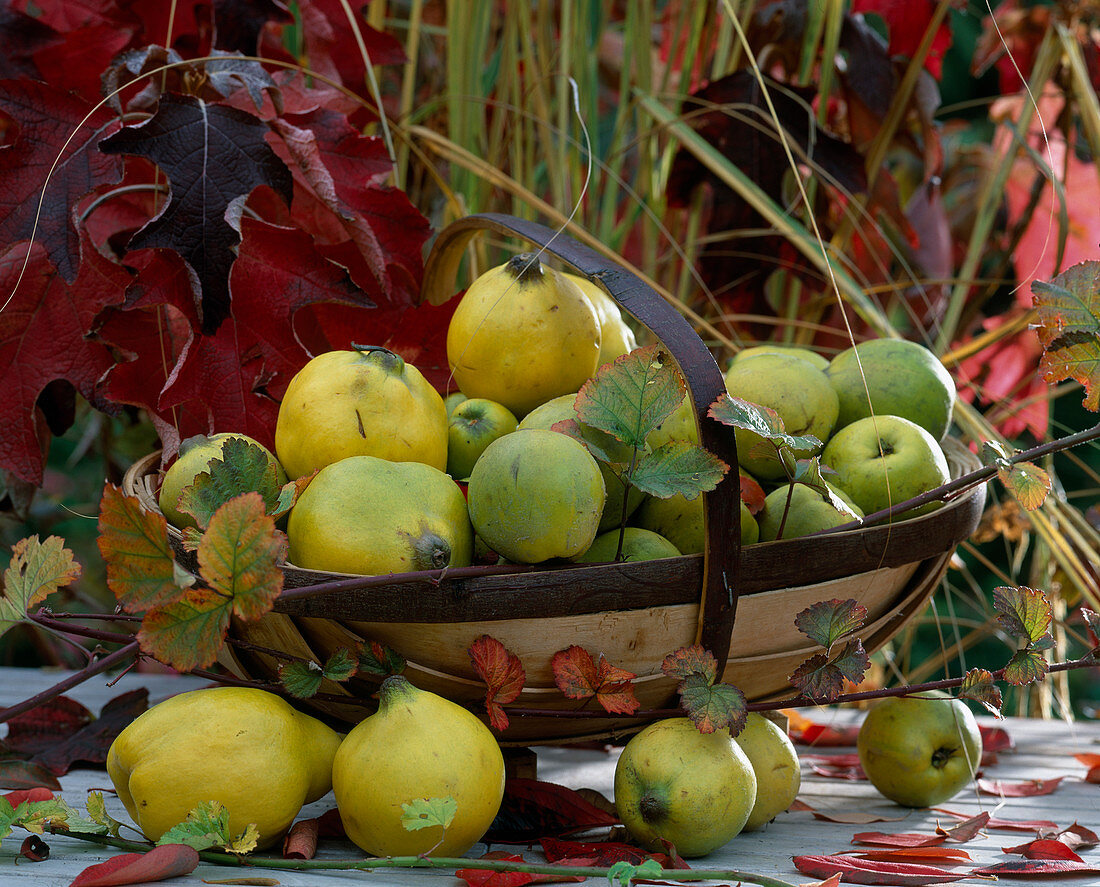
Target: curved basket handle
[{"x": 722, "y": 508}]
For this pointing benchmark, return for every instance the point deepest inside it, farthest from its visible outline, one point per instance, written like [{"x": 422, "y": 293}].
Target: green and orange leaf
[
  {"x": 243, "y": 468},
  {"x": 1068, "y": 308},
  {"x": 1025, "y": 613},
  {"x": 189, "y": 632},
  {"x": 826, "y": 622},
  {"x": 37, "y": 569},
  {"x": 695, "y": 659},
  {"x": 978, "y": 685},
  {"x": 503, "y": 674},
  {"x": 712, "y": 706},
  {"x": 141, "y": 570},
  {"x": 580, "y": 677},
  {"x": 1027, "y": 483},
  {"x": 379, "y": 660}
]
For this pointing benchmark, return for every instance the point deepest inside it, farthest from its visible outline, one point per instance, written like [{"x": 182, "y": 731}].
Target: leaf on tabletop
[
  {"x": 16, "y": 774},
  {"x": 19, "y": 796},
  {"x": 578, "y": 676},
  {"x": 762, "y": 420},
  {"x": 631, "y": 396},
  {"x": 1028, "y": 788},
  {"x": 804, "y": 731},
  {"x": 242, "y": 468},
  {"x": 908, "y": 840},
  {"x": 503, "y": 674},
  {"x": 626, "y": 873},
  {"x": 141, "y": 570},
  {"x": 847, "y": 817},
  {"x": 1043, "y": 848},
  {"x": 301, "y": 841},
  {"x": 919, "y": 853},
  {"x": 34, "y": 816},
  {"x": 1092, "y": 761},
  {"x": 713, "y": 706},
  {"x": 159, "y": 864},
  {"x": 1025, "y": 613},
  {"x": 678, "y": 467},
  {"x": 1027, "y": 482},
  {"x": 532, "y": 809},
  {"x": 836, "y": 766},
  {"x": 967, "y": 829},
  {"x": 1075, "y": 836},
  {"x": 46, "y": 117},
  {"x": 207, "y": 825},
  {"x": 36, "y": 570},
  {"x": 427, "y": 813},
  {"x": 826, "y": 622},
  {"x": 476, "y": 877},
  {"x": 46, "y": 724},
  {"x": 994, "y": 823},
  {"x": 97, "y": 813},
  {"x": 601, "y": 854},
  {"x": 212, "y": 156},
  {"x": 685, "y": 661},
  {"x": 90, "y": 744},
  {"x": 1037, "y": 868},
  {"x": 978, "y": 685},
  {"x": 865, "y": 871},
  {"x": 995, "y": 738},
  {"x": 379, "y": 660}
]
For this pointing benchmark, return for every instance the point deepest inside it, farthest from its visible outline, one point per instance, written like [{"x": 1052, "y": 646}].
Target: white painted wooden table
[{"x": 1044, "y": 750}]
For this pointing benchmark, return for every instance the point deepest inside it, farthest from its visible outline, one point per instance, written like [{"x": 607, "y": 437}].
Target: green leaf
[
  {"x": 289, "y": 493},
  {"x": 626, "y": 873},
  {"x": 206, "y": 826},
  {"x": 994, "y": 452},
  {"x": 765, "y": 421},
  {"x": 379, "y": 660},
  {"x": 428, "y": 812},
  {"x": 187, "y": 633},
  {"x": 301, "y": 679},
  {"x": 341, "y": 665},
  {"x": 978, "y": 685},
  {"x": 1027, "y": 483},
  {"x": 34, "y": 816},
  {"x": 713, "y": 706},
  {"x": 36, "y": 570},
  {"x": 97, "y": 812},
  {"x": 1076, "y": 357},
  {"x": 1025, "y": 612},
  {"x": 817, "y": 678},
  {"x": 631, "y": 396},
  {"x": 853, "y": 661},
  {"x": 826, "y": 622},
  {"x": 1026, "y": 666},
  {"x": 677, "y": 467},
  {"x": 242, "y": 468},
  {"x": 691, "y": 660},
  {"x": 141, "y": 570}
]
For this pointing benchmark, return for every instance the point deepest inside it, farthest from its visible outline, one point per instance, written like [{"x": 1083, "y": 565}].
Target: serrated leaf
[
  {"x": 626, "y": 873},
  {"x": 818, "y": 679},
  {"x": 578, "y": 676},
  {"x": 1025, "y": 612},
  {"x": 207, "y": 825},
  {"x": 1070, "y": 303},
  {"x": 978, "y": 685},
  {"x": 378, "y": 659},
  {"x": 826, "y": 622},
  {"x": 503, "y": 674},
  {"x": 1026, "y": 666},
  {"x": 677, "y": 467},
  {"x": 141, "y": 570},
  {"x": 428, "y": 812},
  {"x": 713, "y": 706},
  {"x": 1027, "y": 483},
  {"x": 341, "y": 665},
  {"x": 1092, "y": 622},
  {"x": 631, "y": 396},
  {"x": 34, "y": 816},
  {"x": 853, "y": 661},
  {"x": 301, "y": 679},
  {"x": 289, "y": 493},
  {"x": 1075, "y": 356},
  {"x": 765, "y": 421},
  {"x": 695, "y": 659},
  {"x": 97, "y": 812},
  {"x": 36, "y": 570},
  {"x": 242, "y": 468},
  {"x": 993, "y": 452},
  {"x": 186, "y": 633}
]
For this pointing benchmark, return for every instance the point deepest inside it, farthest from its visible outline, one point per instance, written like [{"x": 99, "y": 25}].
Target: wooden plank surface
[{"x": 1043, "y": 750}]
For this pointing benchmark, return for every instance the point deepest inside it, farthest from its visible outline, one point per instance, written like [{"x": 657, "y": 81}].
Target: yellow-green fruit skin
[
  {"x": 535, "y": 495},
  {"x": 638, "y": 545},
  {"x": 680, "y": 520},
  {"x": 616, "y": 336},
  {"x": 243, "y": 747},
  {"x": 522, "y": 340},
  {"x": 194, "y": 457},
  {"x": 359, "y": 403},
  {"x": 775, "y": 763},
  {"x": 807, "y": 354},
  {"x": 371, "y": 516},
  {"x": 703, "y": 782},
  {"x": 417, "y": 746}
]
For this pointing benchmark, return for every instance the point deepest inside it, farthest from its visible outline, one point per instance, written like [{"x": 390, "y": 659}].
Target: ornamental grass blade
[
  {"x": 631, "y": 396},
  {"x": 141, "y": 570}
]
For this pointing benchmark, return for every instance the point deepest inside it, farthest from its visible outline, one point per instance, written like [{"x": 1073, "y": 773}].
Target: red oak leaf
[
  {"x": 503, "y": 674},
  {"x": 476, "y": 877},
  {"x": 907, "y": 21},
  {"x": 579, "y": 677},
  {"x": 533, "y": 809}
]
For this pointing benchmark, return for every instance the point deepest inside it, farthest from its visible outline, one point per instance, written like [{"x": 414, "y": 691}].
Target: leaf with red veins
[
  {"x": 213, "y": 155},
  {"x": 578, "y": 676},
  {"x": 77, "y": 61},
  {"x": 20, "y": 38},
  {"x": 503, "y": 674},
  {"x": 42, "y": 341},
  {"x": 57, "y": 143},
  {"x": 71, "y": 15}
]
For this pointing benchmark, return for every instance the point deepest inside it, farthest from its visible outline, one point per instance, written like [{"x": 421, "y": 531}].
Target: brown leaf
[
  {"x": 602, "y": 854},
  {"x": 1037, "y": 868},
  {"x": 45, "y": 725},
  {"x": 90, "y": 744},
  {"x": 908, "y": 840},
  {"x": 966, "y": 829},
  {"x": 301, "y": 841},
  {"x": 533, "y": 809},
  {"x": 34, "y": 849},
  {"x": 920, "y": 853}
]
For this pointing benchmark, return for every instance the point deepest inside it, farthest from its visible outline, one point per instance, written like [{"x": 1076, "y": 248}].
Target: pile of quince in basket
[{"x": 403, "y": 480}]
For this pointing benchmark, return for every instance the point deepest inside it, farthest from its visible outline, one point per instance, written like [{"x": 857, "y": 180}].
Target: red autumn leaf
[
  {"x": 533, "y": 809},
  {"x": 1075, "y": 836},
  {"x": 1038, "y": 868},
  {"x": 212, "y": 155},
  {"x": 907, "y": 21},
  {"x": 919, "y": 853},
  {"x": 994, "y": 823},
  {"x": 301, "y": 841},
  {"x": 45, "y": 117},
  {"x": 503, "y": 674},
  {"x": 488, "y": 878},
  {"x": 90, "y": 744},
  {"x": 159, "y": 864},
  {"x": 23, "y": 775},
  {"x": 1028, "y": 788},
  {"x": 866, "y": 871},
  {"x": 836, "y": 766},
  {"x": 752, "y": 493},
  {"x": 134, "y": 545},
  {"x": 1043, "y": 848},
  {"x": 579, "y": 677},
  {"x": 45, "y": 725},
  {"x": 995, "y": 738},
  {"x": 967, "y": 829},
  {"x": 602, "y": 854},
  {"x": 803, "y": 731},
  {"x": 909, "y": 840},
  {"x": 27, "y": 794},
  {"x": 695, "y": 659}
]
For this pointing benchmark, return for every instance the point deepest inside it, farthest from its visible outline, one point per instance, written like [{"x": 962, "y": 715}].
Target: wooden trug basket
[{"x": 632, "y": 613}]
